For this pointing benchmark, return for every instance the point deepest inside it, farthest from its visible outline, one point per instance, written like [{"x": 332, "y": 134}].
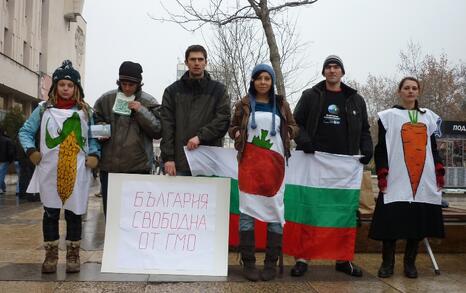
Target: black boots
[
  {"x": 410, "y": 258},
  {"x": 247, "y": 248},
  {"x": 272, "y": 253},
  {"x": 388, "y": 259}
]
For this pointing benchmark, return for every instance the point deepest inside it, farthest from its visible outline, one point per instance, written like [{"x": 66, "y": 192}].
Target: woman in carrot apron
[{"x": 410, "y": 177}]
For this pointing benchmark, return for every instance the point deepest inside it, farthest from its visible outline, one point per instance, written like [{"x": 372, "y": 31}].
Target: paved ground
[{"x": 21, "y": 255}]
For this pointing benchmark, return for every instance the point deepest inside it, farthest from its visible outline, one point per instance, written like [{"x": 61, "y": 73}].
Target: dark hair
[
  {"x": 195, "y": 48},
  {"x": 400, "y": 85}
]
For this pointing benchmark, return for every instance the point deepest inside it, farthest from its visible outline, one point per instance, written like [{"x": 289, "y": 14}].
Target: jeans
[
  {"x": 18, "y": 171},
  {"x": 3, "y": 172},
  {"x": 246, "y": 223},
  {"x": 50, "y": 225}
]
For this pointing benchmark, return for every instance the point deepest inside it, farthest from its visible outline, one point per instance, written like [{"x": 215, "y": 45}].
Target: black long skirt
[{"x": 405, "y": 220}]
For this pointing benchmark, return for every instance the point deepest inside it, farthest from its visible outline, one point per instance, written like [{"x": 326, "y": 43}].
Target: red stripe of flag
[{"x": 320, "y": 242}]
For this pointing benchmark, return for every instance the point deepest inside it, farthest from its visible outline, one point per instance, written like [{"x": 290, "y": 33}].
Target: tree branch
[{"x": 291, "y": 4}]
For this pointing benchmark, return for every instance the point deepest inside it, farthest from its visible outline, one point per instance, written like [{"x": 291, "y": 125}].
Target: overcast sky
[{"x": 367, "y": 34}]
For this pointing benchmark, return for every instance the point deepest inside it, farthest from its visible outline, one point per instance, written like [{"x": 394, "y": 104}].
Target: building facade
[
  {"x": 452, "y": 147},
  {"x": 35, "y": 37}
]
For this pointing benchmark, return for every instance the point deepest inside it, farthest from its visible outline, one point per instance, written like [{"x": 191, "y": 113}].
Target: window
[
  {"x": 26, "y": 54},
  {"x": 7, "y": 47}
]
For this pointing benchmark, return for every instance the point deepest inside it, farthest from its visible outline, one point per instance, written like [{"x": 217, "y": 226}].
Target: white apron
[
  {"x": 402, "y": 185},
  {"x": 71, "y": 190},
  {"x": 262, "y": 198}
]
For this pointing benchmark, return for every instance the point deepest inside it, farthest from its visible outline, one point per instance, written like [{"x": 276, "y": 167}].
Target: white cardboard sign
[{"x": 167, "y": 225}]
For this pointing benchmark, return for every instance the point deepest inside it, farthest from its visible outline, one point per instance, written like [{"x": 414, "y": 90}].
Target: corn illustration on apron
[{"x": 62, "y": 178}]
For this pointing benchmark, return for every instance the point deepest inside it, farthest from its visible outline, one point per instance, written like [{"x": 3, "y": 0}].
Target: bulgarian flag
[{"x": 321, "y": 200}]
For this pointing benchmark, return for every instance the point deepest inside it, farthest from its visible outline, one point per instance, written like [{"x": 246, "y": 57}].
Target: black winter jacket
[
  {"x": 7, "y": 149},
  {"x": 308, "y": 111},
  {"x": 193, "y": 107}
]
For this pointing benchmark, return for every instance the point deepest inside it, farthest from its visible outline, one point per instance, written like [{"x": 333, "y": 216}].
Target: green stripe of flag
[
  {"x": 320, "y": 207},
  {"x": 234, "y": 197}
]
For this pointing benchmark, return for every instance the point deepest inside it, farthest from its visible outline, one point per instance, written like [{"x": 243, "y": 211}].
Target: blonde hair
[{"x": 53, "y": 97}]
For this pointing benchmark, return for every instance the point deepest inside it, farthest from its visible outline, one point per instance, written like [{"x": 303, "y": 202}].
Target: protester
[
  {"x": 410, "y": 177},
  {"x": 64, "y": 156},
  {"x": 7, "y": 156},
  {"x": 25, "y": 169},
  {"x": 133, "y": 116},
  {"x": 262, "y": 155},
  {"x": 195, "y": 111},
  {"x": 332, "y": 118}
]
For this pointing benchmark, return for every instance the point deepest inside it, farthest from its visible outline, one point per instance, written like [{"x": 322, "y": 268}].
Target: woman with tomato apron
[{"x": 262, "y": 127}]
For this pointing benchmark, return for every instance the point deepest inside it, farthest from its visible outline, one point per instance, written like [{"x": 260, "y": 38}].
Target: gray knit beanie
[{"x": 335, "y": 60}]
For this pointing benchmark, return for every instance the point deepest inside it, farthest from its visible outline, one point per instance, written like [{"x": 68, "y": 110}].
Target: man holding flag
[{"x": 332, "y": 118}]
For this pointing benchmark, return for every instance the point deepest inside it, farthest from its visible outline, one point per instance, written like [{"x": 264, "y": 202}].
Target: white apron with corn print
[
  {"x": 399, "y": 187},
  {"x": 261, "y": 191},
  {"x": 61, "y": 176}
]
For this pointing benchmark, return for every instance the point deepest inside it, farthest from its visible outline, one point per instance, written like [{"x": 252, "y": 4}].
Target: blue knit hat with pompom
[{"x": 258, "y": 69}]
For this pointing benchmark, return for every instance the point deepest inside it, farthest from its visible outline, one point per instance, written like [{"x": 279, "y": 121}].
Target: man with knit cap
[
  {"x": 133, "y": 116},
  {"x": 195, "y": 111},
  {"x": 332, "y": 118}
]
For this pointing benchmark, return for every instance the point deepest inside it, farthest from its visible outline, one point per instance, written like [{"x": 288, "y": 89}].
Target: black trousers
[
  {"x": 25, "y": 174},
  {"x": 50, "y": 225}
]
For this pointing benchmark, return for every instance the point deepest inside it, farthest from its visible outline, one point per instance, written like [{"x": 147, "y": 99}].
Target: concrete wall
[{"x": 35, "y": 37}]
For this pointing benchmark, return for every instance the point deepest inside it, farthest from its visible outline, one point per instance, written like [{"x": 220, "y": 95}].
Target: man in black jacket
[
  {"x": 332, "y": 118},
  {"x": 195, "y": 111}
]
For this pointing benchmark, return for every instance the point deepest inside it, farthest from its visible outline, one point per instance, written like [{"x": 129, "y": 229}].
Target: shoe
[
  {"x": 248, "y": 258},
  {"x": 51, "y": 257},
  {"x": 273, "y": 251},
  {"x": 388, "y": 259},
  {"x": 299, "y": 269},
  {"x": 348, "y": 268},
  {"x": 409, "y": 260},
  {"x": 72, "y": 256}
]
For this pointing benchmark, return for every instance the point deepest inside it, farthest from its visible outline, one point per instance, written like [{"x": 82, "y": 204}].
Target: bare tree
[
  {"x": 220, "y": 13},
  {"x": 443, "y": 85},
  {"x": 232, "y": 58}
]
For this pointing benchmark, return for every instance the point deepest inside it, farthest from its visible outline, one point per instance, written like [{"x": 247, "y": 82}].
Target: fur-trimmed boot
[
  {"x": 272, "y": 253},
  {"x": 72, "y": 256},
  {"x": 412, "y": 246},
  {"x": 247, "y": 248},
  {"x": 388, "y": 259},
  {"x": 51, "y": 257}
]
